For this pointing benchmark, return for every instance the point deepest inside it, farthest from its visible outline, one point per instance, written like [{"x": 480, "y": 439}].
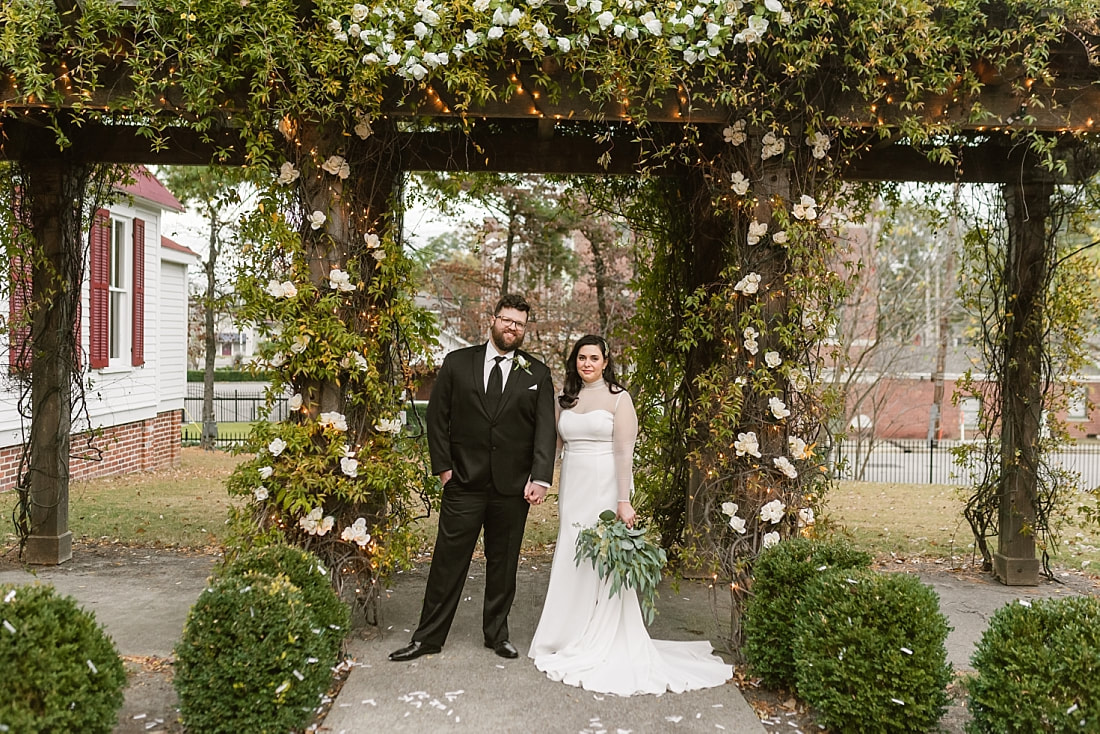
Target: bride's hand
[{"x": 626, "y": 513}]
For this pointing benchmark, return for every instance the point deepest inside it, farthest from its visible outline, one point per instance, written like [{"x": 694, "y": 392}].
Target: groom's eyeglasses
[{"x": 511, "y": 323}]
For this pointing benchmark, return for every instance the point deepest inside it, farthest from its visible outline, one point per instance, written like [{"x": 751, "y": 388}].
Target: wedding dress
[{"x": 585, "y": 637}]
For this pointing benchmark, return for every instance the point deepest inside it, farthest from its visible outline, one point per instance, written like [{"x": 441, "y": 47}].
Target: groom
[{"x": 491, "y": 437}]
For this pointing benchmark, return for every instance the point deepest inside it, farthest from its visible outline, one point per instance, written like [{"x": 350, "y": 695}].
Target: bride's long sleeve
[{"x": 623, "y": 437}]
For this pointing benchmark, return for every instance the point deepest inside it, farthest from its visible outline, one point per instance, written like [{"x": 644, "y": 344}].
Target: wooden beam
[{"x": 512, "y": 146}]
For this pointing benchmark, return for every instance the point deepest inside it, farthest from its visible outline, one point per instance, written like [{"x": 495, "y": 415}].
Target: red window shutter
[
  {"x": 137, "y": 342},
  {"x": 19, "y": 344},
  {"x": 99, "y": 279}
]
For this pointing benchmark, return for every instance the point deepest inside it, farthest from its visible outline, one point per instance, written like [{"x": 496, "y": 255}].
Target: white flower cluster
[
  {"x": 285, "y": 289},
  {"x": 337, "y": 166},
  {"x": 315, "y": 524},
  {"x": 354, "y": 359},
  {"x": 735, "y": 133},
  {"x": 288, "y": 174},
  {"x": 747, "y": 443},
  {"x": 756, "y": 231},
  {"x": 771, "y": 146},
  {"x": 412, "y": 42},
  {"x": 357, "y": 533},
  {"x": 739, "y": 183},
  {"x": 820, "y": 143},
  {"x": 294, "y": 402},
  {"x": 333, "y": 420},
  {"x": 750, "y": 283},
  {"x": 349, "y": 465},
  {"x": 300, "y": 343},
  {"x": 806, "y": 208},
  {"x": 751, "y": 345},
  {"x": 391, "y": 425},
  {"x": 772, "y": 511},
  {"x": 778, "y": 408},
  {"x": 340, "y": 281},
  {"x": 317, "y": 219},
  {"x": 374, "y": 244},
  {"x": 737, "y": 524}
]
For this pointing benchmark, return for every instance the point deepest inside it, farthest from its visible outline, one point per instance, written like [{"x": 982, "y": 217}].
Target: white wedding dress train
[{"x": 586, "y": 638}]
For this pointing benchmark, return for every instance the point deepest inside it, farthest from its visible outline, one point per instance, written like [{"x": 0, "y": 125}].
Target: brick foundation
[{"x": 132, "y": 447}]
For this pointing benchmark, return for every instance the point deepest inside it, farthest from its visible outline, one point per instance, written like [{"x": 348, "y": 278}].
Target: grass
[
  {"x": 186, "y": 507},
  {"x": 182, "y": 507},
  {"x": 193, "y": 431},
  {"x": 905, "y": 520}
]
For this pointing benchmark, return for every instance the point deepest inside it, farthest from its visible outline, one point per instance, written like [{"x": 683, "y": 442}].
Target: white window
[{"x": 119, "y": 310}]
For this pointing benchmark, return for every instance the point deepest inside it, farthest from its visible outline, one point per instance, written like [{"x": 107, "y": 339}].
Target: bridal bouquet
[{"x": 629, "y": 557}]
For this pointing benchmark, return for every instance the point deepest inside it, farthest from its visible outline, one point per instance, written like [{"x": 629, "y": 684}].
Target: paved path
[{"x": 142, "y": 598}]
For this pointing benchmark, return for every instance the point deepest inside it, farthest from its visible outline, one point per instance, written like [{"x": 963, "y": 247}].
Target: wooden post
[
  {"x": 54, "y": 191},
  {"x": 1028, "y": 207}
]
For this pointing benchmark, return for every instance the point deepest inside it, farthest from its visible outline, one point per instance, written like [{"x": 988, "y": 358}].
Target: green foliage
[
  {"x": 629, "y": 557},
  {"x": 1037, "y": 669},
  {"x": 870, "y": 652},
  {"x": 781, "y": 575},
  {"x": 59, "y": 671},
  {"x": 251, "y": 658},
  {"x": 306, "y": 571},
  {"x": 225, "y": 376}
]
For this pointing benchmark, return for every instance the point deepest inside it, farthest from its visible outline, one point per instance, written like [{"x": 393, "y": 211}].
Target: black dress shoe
[
  {"x": 414, "y": 650},
  {"x": 504, "y": 648}
]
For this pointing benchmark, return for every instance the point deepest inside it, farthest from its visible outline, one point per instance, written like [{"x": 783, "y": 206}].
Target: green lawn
[
  {"x": 226, "y": 429},
  {"x": 186, "y": 507}
]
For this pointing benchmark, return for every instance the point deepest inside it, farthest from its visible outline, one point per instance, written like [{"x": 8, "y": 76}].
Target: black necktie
[{"x": 496, "y": 386}]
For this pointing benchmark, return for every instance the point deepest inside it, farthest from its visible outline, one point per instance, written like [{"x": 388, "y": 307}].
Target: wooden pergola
[{"x": 530, "y": 133}]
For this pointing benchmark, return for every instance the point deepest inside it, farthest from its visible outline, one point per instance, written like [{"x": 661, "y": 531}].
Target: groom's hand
[{"x": 534, "y": 493}]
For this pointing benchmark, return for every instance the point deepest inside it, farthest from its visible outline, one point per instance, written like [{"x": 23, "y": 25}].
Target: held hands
[
  {"x": 534, "y": 493},
  {"x": 625, "y": 512}
]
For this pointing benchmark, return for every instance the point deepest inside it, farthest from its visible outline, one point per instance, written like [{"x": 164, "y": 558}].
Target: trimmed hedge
[
  {"x": 781, "y": 574},
  {"x": 1038, "y": 668},
  {"x": 251, "y": 659},
  {"x": 871, "y": 652},
  {"x": 59, "y": 671},
  {"x": 226, "y": 376},
  {"x": 306, "y": 571}
]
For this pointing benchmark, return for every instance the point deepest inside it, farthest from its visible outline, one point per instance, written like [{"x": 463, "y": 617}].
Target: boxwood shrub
[
  {"x": 780, "y": 576},
  {"x": 59, "y": 671},
  {"x": 251, "y": 658},
  {"x": 306, "y": 571},
  {"x": 1038, "y": 668},
  {"x": 870, "y": 652}
]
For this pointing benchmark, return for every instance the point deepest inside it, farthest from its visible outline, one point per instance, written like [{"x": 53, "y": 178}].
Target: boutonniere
[{"x": 522, "y": 363}]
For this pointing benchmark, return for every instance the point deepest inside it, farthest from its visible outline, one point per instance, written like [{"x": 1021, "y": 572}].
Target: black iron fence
[
  {"x": 933, "y": 462},
  {"x": 898, "y": 461},
  {"x": 232, "y": 406}
]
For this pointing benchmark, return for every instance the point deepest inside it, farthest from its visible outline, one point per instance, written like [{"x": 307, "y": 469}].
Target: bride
[{"x": 585, "y": 637}]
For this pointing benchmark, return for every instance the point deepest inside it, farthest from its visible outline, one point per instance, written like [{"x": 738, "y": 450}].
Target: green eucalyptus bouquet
[{"x": 630, "y": 557}]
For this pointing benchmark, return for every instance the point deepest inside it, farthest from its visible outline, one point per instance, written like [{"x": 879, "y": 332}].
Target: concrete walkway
[{"x": 142, "y": 598}]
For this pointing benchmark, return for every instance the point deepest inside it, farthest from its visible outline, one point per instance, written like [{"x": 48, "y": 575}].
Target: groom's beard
[{"x": 505, "y": 341}]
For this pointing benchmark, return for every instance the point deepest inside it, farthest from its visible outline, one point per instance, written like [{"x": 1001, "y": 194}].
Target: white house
[{"x": 133, "y": 342}]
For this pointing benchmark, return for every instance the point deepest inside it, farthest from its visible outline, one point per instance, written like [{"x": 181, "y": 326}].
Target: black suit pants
[{"x": 463, "y": 513}]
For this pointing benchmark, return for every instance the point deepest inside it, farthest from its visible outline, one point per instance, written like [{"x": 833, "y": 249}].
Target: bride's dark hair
[{"x": 571, "y": 391}]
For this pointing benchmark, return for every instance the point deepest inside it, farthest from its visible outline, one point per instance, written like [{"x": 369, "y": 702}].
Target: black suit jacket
[{"x": 504, "y": 449}]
